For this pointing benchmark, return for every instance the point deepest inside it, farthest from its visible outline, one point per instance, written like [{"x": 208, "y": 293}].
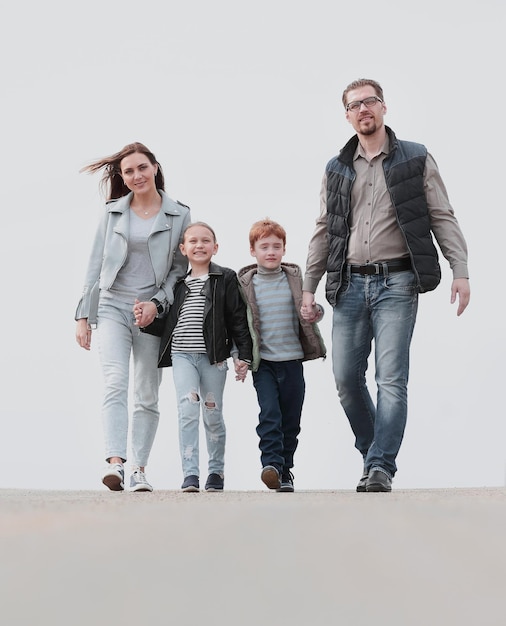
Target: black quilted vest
[{"x": 403, "y": 167}]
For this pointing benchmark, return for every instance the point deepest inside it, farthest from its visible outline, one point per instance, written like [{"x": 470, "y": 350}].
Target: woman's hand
[
  {"x": 83, "y": 333},
  {"x": 145, "y": 313}
]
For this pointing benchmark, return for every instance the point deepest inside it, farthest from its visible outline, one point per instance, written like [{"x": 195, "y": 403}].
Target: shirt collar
[{"x": 360, "y": 152}]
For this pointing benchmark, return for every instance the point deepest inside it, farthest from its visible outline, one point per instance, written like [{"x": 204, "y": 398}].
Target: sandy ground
[{"x": 409, "y": 558}]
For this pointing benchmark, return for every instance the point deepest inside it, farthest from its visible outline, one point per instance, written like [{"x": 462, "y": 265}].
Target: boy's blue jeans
[
  {"x": 280, "y": 390},
  {"x": 200, "y": 384},
  {"x": 383, "y": 308}
]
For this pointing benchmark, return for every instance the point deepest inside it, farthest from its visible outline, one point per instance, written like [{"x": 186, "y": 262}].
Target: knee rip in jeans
[
  {"x": 193, "y": 396},
  {"x": 210, "y": 402},
  {"x": 188, "y": 453}
]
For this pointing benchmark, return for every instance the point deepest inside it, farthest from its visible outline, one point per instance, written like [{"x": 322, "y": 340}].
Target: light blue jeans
[
  {"x": 383, "y": 309},
  {"x": 118, "y": 340},
  {"x": 200, "y": 384}
]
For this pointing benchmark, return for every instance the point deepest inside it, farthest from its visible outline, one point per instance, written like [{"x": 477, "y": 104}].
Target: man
[{"x": 382, "y": 199}]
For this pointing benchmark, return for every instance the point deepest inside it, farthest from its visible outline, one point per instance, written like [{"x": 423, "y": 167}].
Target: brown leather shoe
[{"x": 270, "y": 477}]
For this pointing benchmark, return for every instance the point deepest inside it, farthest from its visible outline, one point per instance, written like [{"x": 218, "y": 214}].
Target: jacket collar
[
  {"x": 214, "y": 270},
  {"x": 347, "y": 153},
  {"x": 120, "y": 205},
  {"x": 246, "y": 273}
]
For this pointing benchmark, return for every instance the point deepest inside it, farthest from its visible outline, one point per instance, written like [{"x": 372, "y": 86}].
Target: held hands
[
  {"x": 83, "y": 333},
  {"x": 309, "y": 310},
  {"x": 145, "y": 313},
  {"x": 461, "y": 287},
  {"x": 241, "y": 369}
]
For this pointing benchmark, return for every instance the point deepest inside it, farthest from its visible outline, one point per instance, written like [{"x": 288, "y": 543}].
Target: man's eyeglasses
[{"x": 368, "y": 102}]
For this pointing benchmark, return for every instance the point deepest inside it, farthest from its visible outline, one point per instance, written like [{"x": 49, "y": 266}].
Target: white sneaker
[
  {"x": 138, "y": 481},
  {"x": 114, "y": 477}
]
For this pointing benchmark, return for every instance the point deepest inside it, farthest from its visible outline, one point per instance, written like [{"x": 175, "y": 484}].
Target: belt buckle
[{"x": 372, "y": 269}]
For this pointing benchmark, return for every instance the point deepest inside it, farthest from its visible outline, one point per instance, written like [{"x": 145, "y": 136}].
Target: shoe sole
[
  {"x": 141, "y": 489},
  {"x": 285, "y": 489},
  {"x": 361, "y": 489},
  {"x": 190, "y": 489},
  {"x": 214, "y": 488},
  {"x": 270, "y": 478},
  {"x": 114, "y": 483}
]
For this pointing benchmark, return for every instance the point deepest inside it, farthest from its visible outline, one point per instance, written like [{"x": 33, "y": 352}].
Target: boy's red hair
[{"x": 266, "y": 228}]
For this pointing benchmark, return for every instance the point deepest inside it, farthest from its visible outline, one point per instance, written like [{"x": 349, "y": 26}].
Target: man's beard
[{"x": 369, "y": 130}]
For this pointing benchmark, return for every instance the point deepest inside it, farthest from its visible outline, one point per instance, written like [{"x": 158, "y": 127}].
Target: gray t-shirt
[{"x": 136, "y": 279}]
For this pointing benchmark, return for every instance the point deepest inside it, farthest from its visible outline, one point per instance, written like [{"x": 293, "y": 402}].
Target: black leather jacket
[{"x": 225, "y": 321}]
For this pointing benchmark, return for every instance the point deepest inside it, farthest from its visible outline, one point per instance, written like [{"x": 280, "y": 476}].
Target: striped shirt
[
  {"x": 188, "y": 334},
  {"x": 279, "y": 324}
]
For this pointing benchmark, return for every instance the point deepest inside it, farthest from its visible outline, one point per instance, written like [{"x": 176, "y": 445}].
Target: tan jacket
[{"x": 309, "y": 334}]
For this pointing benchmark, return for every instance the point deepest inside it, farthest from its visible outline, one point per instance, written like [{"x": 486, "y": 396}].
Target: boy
[{"x": 281, "y": 341}]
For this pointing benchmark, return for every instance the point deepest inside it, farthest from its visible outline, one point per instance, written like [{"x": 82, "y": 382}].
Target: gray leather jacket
[{"x": 109, "y": 252}]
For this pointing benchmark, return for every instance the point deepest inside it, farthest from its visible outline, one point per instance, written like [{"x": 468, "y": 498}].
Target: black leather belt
[{"x": 378, "y": 268}]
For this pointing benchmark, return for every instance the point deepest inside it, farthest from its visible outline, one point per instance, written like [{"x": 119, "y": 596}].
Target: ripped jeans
[{"x": 198, "y": 383}]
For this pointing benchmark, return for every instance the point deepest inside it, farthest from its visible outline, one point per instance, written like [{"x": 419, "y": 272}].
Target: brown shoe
[{"x": 270, "y": 477}]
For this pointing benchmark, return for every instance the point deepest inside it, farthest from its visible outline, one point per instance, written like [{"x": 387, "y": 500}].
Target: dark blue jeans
[{"x": 280, "y": 390}]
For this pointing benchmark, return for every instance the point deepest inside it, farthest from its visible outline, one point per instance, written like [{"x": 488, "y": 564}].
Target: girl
[
  {"x": 135, "y": 260},
  {"x": 204, "y": 326}
]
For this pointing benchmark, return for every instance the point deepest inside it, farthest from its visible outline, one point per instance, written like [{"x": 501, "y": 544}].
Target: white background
[{"x": 241, "y": 103}]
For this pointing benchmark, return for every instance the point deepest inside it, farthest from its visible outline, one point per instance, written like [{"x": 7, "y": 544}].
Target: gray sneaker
[
  {"x": 114, "y": 477},
  {"x": 138, "y": 481}
]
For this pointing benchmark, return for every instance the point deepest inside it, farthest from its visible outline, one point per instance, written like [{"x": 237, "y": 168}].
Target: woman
[{"x": 135, "y": 261}]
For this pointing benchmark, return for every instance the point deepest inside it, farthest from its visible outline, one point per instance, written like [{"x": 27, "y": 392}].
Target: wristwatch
[{"x": 159, "y": 306}]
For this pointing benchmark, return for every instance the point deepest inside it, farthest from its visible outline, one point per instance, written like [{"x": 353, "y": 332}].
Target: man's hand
[
  {"x": 461, "y": 287},
  {"x": 308, "y": 310}
]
